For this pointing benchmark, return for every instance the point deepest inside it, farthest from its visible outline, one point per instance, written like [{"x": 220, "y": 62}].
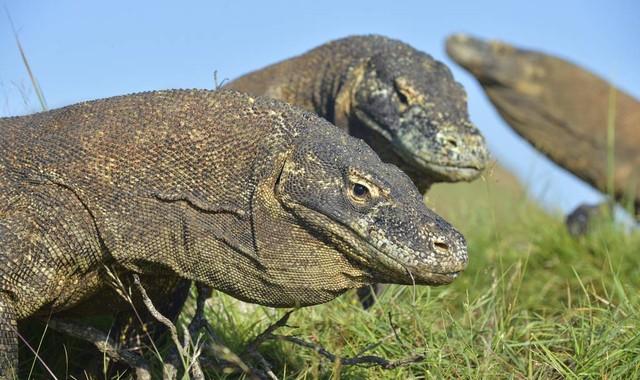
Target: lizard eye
[
  {"x": 403, "y": 98},
  {"x": 401, "y": 92},
  {"x": 359, "y": 194},
  {"x": 360, "y": 190}
]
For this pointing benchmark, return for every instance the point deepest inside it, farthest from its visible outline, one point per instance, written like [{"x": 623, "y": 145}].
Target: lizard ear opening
[{"x": 277, "y": 188}]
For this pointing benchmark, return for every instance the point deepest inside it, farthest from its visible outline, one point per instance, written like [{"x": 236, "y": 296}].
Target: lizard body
[
  {"x": 253, "y": 197},
  {"x": 562, "y": 109}
]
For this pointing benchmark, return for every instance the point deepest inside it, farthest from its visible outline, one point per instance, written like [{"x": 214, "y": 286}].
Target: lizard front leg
[
  {"x": 49, "y": 258},
  {"x": 8, "y": 339}
]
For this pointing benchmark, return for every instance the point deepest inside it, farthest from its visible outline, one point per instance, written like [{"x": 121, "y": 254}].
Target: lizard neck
[
  {"x": 321, "y": 80},
  {"x": 337, "y": 74}
]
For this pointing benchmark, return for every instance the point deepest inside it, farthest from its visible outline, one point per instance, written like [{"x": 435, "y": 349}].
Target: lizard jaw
[
  {"x": 428, "y": 168},
  {"x": 390, "y": 268},
  {"x": 405, "y": 274}
]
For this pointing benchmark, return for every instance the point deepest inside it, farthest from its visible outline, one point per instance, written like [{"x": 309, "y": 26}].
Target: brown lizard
[
  {"x": 250, "y": 196},
  {"x": 564, "y": 111}
]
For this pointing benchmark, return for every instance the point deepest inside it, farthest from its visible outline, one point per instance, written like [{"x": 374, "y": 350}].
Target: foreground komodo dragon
[
  {"x": 560, "y": 108},
  {"x": 399, "y": 100},
  {"x": 403, "y": 103},
  {"x": 253, "y": 197}
]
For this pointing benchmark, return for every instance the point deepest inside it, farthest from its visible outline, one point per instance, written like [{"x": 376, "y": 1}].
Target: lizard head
[
  {"x": 370, "y": 211},
  {"x": 497, "y": 64},
  {"x": 408, "y": 107}
]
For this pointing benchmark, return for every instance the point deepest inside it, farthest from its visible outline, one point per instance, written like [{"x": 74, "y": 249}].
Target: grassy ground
[{"x": 533, "y": 303}]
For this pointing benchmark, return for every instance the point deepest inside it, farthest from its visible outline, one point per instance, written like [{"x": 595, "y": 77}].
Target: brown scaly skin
[
  {"x": 250, "y": 196},
  {"x": 402, "y": 102},
  {"x": 560, "y": 108}
]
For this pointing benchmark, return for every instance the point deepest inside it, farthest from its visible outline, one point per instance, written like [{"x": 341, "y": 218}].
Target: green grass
[{"x": 533, "y": 303}]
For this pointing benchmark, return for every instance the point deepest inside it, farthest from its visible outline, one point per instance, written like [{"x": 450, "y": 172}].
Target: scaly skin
[
  {"x": 560, "y": 108},
  {"x": 402, "y": 102},
  {"x": 249, "y": 196}
]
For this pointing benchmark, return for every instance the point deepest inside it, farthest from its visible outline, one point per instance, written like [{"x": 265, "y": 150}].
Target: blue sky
[{"x": 82, "y": 50}]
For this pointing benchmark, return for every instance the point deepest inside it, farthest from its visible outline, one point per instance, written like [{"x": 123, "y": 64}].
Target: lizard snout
[{"x": 448, "y": 251}]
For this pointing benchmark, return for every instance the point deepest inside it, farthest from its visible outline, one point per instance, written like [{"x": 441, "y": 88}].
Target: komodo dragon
[
  {"x": 561, "y": 109},
  {"x": 253, "y": 197},
  {"x": 399, "y": 100}
]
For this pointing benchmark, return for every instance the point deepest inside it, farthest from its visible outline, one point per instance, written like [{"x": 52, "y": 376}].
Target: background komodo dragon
[
  {"x": 250, "y": 196},
  {"x": 399, "y": 100},
  {"x": 560, "y": 108},
  {"x": 403, "y": 103}
]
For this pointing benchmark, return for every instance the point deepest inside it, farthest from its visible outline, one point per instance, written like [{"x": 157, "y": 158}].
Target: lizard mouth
[
  {"x": 449, "y": 173},
  {"x": 435, "y": 170},
  {"x": 381, "y": 265},
  {"x": 417, "y": 276}
]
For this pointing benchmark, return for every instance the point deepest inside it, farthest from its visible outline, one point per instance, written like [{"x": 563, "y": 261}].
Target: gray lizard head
[
  {"x": 416, "y": 108},
  {"x": 370, "y": 210},
  {"x": 496, "y": 63}
]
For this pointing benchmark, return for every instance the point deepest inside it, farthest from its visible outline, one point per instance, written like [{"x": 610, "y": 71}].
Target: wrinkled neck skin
[
  {"x": 266, "y": 256},
  {"x": 313, "y": 80},
  {"x": 335, "y": 99}
]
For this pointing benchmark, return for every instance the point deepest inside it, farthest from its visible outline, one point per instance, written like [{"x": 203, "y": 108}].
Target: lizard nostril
[{"x": 441, "y": 246}]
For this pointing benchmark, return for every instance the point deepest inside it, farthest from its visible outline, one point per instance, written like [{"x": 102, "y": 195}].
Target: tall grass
[
  {"x": 25, "y": 62},
  {"x": 611, "y": 141}
]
